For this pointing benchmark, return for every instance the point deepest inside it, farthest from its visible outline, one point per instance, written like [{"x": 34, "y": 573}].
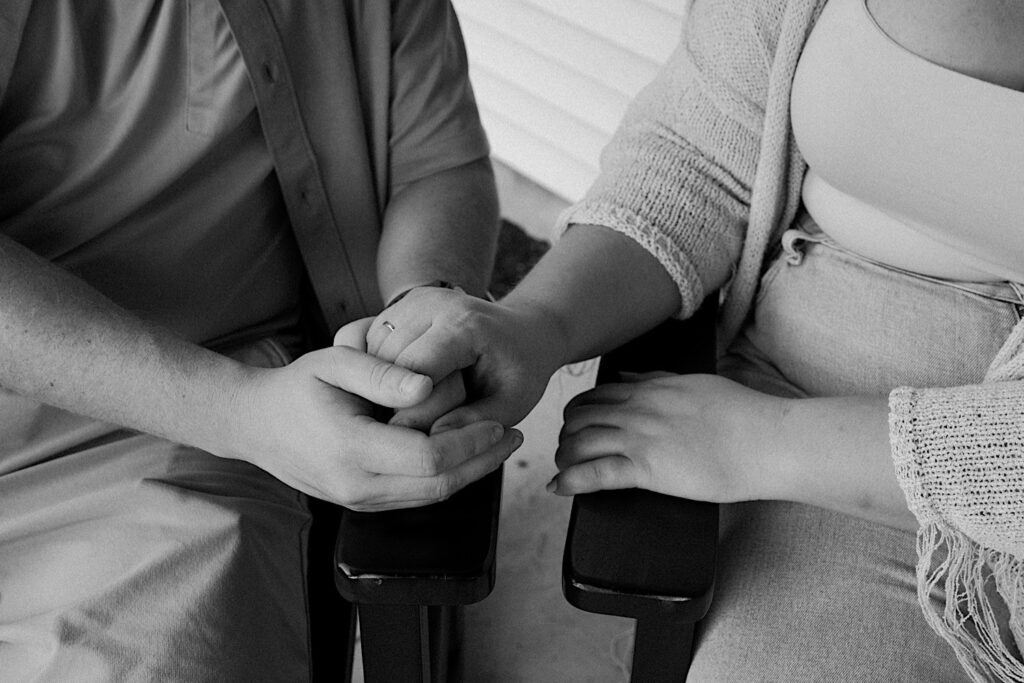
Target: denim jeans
[
  {"x": 808, "y": 594},
  {"x": 124, "y": 557}
]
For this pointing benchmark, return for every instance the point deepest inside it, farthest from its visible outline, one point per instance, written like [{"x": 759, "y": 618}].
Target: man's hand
[
  {"x": 505, "y": 355},
  {"x": 313, "y": 427}
]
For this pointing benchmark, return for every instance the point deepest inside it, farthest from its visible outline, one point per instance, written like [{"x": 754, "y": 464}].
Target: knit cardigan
[{"x": 704, "y": 173}]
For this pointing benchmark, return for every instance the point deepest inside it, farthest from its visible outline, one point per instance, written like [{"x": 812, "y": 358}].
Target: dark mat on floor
[{"x": 517, "y": 254}]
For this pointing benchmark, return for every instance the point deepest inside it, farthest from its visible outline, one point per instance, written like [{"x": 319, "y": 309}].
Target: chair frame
[
  {"x": 408, "y": 573},
  {"x": 645, "y": 555}
]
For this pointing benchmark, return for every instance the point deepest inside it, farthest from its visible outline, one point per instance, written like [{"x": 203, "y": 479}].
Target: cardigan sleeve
[
  {"x": 959, "y": 455},
  {"x": 677, "y": 175},
  {"x": 959, "y": 452}
]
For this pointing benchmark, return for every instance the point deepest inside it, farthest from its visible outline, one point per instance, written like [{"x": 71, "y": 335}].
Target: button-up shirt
[{"x": 353, "y": 99}]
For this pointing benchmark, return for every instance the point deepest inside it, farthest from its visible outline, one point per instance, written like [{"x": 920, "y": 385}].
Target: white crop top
[{"x": 910, "y": 163}]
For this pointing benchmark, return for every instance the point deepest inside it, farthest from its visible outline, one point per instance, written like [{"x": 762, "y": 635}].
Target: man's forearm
[
  {"x": 443, "y": 227},
  {"x": 63, "y": 343}
]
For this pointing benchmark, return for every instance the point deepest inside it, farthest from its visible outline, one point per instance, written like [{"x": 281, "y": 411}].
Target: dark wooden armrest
[
  {"x": 640, "y": 554},
  {"x": 409, "y": 572},
  {"x": 441, "y": 554}
]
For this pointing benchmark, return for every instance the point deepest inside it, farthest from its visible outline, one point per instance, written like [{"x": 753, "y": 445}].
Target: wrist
[
  {"x": 235, "y": 418},
  {"x": 544, "y": 324},
  {"x": 771, "y": 466},
  {"x": 441, "y": 284}
]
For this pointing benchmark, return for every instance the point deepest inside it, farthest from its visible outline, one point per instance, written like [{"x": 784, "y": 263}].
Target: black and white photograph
[{"x": 512, "y": 341}]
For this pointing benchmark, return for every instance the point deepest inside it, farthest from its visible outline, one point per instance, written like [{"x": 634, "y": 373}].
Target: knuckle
[
  {"x": 446, "y": 487},
  {"x": 562, "y": 459},
  {"x": 414, "y": 358},
  {"x": 432, "y": 457},
  {"x": 353, "y": 500},
  {"x": 382, "y": 374},
  {"x": 566, "y": 454},
  {"x": 596, "y": 470},
  {"x": 374, "y": 341},
  {"x": 466, "y": 317},
  {"x": 642, "y": 470}
]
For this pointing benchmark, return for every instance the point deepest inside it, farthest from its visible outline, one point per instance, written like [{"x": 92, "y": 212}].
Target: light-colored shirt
[{"x": 910, "y": 163}]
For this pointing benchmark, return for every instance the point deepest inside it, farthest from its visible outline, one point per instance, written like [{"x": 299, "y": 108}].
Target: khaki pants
[{"x": 129, "y": 558}]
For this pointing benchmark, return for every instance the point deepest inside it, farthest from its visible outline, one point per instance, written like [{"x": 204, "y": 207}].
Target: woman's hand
[
  {"x": 504, "y": 355},
  {"x": 702, "y": 437}
]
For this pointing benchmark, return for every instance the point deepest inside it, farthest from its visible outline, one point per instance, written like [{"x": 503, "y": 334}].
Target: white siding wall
[{"x": 553, "y": 77}]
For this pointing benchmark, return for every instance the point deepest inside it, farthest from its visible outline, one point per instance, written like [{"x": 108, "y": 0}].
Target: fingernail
[
  {"x": 551, "y": 486},
  {"x": 412, "y": 384},
  {"x": 497, "y": 431}
]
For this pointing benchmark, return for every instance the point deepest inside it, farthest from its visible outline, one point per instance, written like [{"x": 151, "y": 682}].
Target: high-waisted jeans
[{"x": 805, "y": 593}]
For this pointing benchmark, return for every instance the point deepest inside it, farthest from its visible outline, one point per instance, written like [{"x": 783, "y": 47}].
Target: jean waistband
[{"x": 794, "y": 241}]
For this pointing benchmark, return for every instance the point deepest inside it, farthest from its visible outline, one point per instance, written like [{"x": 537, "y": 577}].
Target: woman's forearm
[
  {"x": 600, "y": 288},
  {"x": 835, "y": 453},
  {"x": 603, "y": 289}
]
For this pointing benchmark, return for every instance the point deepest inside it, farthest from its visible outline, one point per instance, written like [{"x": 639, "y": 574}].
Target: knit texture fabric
[
  {"x": 958, "y": 455},
  {"x": 704, "y": 173},
  {"x": 703, "y": 170}
]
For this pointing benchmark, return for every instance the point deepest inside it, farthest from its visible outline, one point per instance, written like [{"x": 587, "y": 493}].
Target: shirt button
[{"x": 269, "y": 72}]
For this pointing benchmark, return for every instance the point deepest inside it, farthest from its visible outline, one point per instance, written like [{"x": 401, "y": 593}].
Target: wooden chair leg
[
  {"x": 332, "y": 619},
  {"x": 409, "y": 643},
  {"x": 640, "y": 554},
  {"x": 410, "y": 572},
  {"x": 661, "y": 651}
]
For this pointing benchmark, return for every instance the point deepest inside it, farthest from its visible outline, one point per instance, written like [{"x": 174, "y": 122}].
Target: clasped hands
[{"x": 693, "y": 436}]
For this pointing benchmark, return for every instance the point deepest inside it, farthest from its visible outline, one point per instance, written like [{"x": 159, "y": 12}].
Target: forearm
[
  {"x": 443, "y": 227},
  {"x": 599, "y": 289},
  {"x": 63, "y": 343},
  {"x": 835, "y": 453}
]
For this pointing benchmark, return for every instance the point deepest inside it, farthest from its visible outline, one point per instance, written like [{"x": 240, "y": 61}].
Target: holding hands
[
  {"x": 316, "y": 429},
  {"x": 488, "y": 361},
  {"x": 692, "y": 436}
]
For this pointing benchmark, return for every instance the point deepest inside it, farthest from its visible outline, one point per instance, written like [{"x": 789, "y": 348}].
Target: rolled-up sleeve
[
  {"x": 678, "y": 173},
  {"x": 959, "y": 456}
]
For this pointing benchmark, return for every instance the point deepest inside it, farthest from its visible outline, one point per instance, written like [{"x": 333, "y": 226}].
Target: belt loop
[{"x": 792, "y": 245}]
